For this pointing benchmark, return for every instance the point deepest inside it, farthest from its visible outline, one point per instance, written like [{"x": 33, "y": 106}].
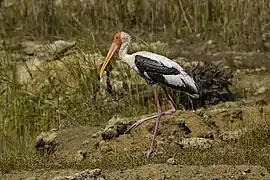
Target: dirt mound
[{"x": 164, "y": 171}]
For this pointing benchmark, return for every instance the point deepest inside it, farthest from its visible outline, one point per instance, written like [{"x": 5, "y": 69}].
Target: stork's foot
[
  {"x": 149, "y": 152},
  {"x": 139, "y": 122},
  {"x": 173, "y": 110},
  {"x": 136, "y": 124}
]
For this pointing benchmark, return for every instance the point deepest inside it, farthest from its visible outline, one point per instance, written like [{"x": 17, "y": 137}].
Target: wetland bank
[{"x": 50, "y": 55}]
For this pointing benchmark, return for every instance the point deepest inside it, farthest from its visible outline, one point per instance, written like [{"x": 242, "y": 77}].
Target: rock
[
  {"x": 210, "y": 42},
  {"x": 232, "y": 135},
  {"x": 121, "y": 128},
  {"x": 48, "y": 51},
  {"x": 95, "y": 135},
  {"x": 172, "y": 161},
  {"x": 80, "y": 155},
  {"x": 109, "y": 133},
  {"x": 260, "y": 69},
  {"x": 114, "y": 128},
  {"x": 261, "y": 90},
  {"x": 46, "y": 143},
  {"x": 201, "y": 143},
  {"x": 35, "y": 54},
  {"x": 94, "y": 174},
  {"x": 178, "y": 41},
  {"x": 198, "y": 35}
]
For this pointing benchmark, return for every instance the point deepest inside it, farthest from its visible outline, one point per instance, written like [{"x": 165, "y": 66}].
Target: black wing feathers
[
  {"x": 153, "y": 71},
  {"x": 150, "y": 66}
]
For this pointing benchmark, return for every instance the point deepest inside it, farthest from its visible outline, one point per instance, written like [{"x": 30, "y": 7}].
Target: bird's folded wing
[
  {"x": 145, "y": 64},
  {"x": 155, "y": 72}
]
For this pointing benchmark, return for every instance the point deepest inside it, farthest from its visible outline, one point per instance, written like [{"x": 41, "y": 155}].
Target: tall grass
[
  {"x": 66, "y": 93},
  {"x": 23, "y": 114},
  {"x": 233, "y": 22}
]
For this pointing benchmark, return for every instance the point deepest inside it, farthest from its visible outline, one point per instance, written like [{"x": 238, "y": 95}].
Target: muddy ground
[{"x": 162, "y": 171}]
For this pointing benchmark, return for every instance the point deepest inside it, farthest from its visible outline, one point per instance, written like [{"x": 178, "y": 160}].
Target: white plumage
[{"x": 182, "y": 79}]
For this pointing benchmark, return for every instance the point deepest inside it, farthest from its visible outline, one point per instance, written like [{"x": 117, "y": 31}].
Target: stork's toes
[
  {"x": 136, "y": 124},
  {"x": 149, "y": 152}
]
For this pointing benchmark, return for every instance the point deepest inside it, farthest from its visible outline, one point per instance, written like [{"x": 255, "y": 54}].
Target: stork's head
[{"x": 118, "y": 40}]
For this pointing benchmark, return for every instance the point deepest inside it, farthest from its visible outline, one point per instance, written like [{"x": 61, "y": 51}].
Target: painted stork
[{"x": 156, "y": 70}]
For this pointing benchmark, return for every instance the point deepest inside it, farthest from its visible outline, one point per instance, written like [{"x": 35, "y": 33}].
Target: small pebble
[
  {"x": 172, "y": 161},
  {"x": 101, "y": 142},
  {"x": 94, "y": 135},
  {"x": 198, "y": 35},
  {"x": 210, "y": 42}
]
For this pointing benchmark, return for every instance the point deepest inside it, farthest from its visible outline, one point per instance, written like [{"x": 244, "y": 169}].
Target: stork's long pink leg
[
  {"x": 139, "y": 122},
  {"x": 170, "y": 101},
  {"x": 159, "y": 114}
]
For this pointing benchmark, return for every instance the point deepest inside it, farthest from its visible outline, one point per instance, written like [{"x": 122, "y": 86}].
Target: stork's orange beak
[{"x": 111, "y": 52}]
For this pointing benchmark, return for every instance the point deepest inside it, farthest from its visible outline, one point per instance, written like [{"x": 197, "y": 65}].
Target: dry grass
[
  {"x": 235, "y": 23},
  {"x": 65, "y": 94}
]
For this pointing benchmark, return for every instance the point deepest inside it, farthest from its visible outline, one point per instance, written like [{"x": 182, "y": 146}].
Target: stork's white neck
[
  {"x": 123, "y": 50},
  {"x": 124, "y": 56},
  {"x": 126, "y": 43}
]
